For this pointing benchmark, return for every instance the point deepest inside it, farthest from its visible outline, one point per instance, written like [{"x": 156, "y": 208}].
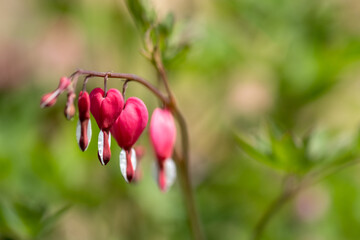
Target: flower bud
[
  {"x": 49, "y": 99},
  {"x": 162, "y": 137},
  {"x": 64, "y": 83},
  {"x": 83, "y": 130},
  {"x": 126, "y": 130},
  {"x": 70, "y": 110},
  {"x": 106, "y": 110}
]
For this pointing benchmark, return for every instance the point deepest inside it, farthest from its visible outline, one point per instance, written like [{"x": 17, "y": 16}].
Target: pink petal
[
  {"x": 106, "y": 109},
  {"x": 131, "y": 123},
  {"x": 162, "y": 133}
]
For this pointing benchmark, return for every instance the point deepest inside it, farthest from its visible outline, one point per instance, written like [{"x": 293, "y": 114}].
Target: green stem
[{"x": 287, "y": 194}]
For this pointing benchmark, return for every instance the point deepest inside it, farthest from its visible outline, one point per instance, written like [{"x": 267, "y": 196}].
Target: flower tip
[
  {"x": 130, "y": 175},
  {"x": 69, "y": 111},
  {"x": 48, "y": 99},
  {"x": 104, "y": 143},
  {"x": 83, "y": 134},
  {"x": 104, "y": 159},
  {"x": 83, "y": 144},
  {"x": 162, "y": 182},
  {"x": 127, "y": 162}
]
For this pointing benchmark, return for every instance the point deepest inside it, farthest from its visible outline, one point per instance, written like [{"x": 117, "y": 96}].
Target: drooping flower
[
  {"x": 83, "y": 129},
  {"x": 49, "y": 99},
  {"x": 105, "y": 109},
  {"x": 70, "y": 110},
  {"x": 163, "y": 136},
  {"x": 126, "y": 130}
]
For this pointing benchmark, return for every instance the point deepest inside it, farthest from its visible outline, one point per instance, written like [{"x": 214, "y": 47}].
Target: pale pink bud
[
  {"x": 49, "y": 99},
  {"x": 70, "y": 110},
  {"x": 64, "y": 83}
]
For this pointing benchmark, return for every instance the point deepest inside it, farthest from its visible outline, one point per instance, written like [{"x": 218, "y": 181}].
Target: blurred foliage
[{"x": 294, "y": 63}]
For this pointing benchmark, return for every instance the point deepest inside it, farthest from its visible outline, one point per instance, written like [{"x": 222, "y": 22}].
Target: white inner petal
[
  {"x": 101, "y": 146},
  {"x": 89, "y": 134},
  {"x": 78, "y": 132},
  {"x": 123, "y": 163},
  {"x": 170, "y": 172}
]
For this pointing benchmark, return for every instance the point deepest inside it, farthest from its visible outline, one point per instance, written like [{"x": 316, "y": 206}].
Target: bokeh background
[{"x": 295, "y": 62}]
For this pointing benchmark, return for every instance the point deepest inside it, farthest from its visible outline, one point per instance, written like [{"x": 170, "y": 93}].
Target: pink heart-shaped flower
[
  {"x": 126, "y": 130},
  {"x": 106, "y": 109},
  {"x": 162, "y": 138},
  {"x": 130, "y": 123}
]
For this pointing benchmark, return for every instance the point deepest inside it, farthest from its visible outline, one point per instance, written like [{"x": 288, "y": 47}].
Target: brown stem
[
  {"x": 105, "y": 83},
  {"x": 129, "y": 77},
  {"x": 182, "y": 162},
  {"x": 162, "y": 73}
]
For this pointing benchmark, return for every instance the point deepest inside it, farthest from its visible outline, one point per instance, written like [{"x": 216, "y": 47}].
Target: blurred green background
[{"x": 292, "y": 62}]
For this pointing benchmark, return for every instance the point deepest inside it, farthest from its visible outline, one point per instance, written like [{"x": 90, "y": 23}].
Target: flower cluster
[{"x": 125, "y": 120}]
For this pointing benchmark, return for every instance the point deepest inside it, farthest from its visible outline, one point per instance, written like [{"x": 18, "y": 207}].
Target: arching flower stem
[{"x": 181, "y": 160}]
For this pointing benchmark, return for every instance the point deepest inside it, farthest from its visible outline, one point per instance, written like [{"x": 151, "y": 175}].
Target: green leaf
[
  {"x": 49, "y": 222},
  {"x": 287, "y": 153},
  {"x": 254, "y": 153},
  {"x": 140, "y": 15},
  {"x": 166, "y": 26},
  {"x": 176, "y": 54}
]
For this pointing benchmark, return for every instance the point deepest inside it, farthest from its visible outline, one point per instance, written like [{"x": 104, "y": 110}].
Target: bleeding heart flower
[
  {"x": 83, "y": 129},
  {"x": 126, "y": 130},
  {"x": 163, "y": 136},
  {"x": 105, "y": 109},
  {"x": 49, "y": 99}
]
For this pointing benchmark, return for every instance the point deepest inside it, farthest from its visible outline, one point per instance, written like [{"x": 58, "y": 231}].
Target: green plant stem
[
  {"x": 287, "y": 194},
  {"x": 274, "y": 207},
  {"x": 182, "y": 162}
]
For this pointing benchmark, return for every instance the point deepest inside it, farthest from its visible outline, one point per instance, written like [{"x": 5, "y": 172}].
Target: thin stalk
[
  {"x": 274, "y": 207},
  {"x": 129, "y": 77},
  {"x": 287, "y": 194},
  {"x": 182, "y": 162}
]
